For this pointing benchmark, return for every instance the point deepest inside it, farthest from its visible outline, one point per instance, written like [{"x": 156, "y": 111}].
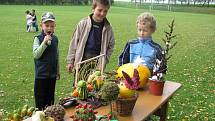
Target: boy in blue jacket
[
  {"x": 46, "y": 58},
  {"x": 143, "y": 49}
]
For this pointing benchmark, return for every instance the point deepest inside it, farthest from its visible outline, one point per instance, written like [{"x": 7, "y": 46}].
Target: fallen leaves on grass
[{"x": 2, "y": 93}]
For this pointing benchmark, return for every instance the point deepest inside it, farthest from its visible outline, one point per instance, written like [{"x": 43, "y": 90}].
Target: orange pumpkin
[
  {"x": 90, "y": 87},
  {"x": 75, "y": 93}
]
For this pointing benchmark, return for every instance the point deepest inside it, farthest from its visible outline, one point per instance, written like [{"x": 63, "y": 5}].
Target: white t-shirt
[{"x": 29, "y": 19}]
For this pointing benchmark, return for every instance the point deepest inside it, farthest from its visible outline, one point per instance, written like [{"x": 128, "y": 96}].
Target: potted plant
[{"x": 157, "y": 81}]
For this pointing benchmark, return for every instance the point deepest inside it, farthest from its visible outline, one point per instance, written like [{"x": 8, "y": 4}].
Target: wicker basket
[{"x": 124, "y": 106}]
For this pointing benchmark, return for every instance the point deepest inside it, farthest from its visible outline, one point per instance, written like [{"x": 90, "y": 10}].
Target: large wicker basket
[{"x": 125, "y": 106}]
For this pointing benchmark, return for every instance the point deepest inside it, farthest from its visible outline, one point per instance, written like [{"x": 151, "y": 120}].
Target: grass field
[{"x": 192, "y": 64}]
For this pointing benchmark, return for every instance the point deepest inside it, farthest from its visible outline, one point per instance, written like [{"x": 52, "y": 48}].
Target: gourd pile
[
  {"x": 20, "y": 114},
  {"x": 93, "y": 83}
]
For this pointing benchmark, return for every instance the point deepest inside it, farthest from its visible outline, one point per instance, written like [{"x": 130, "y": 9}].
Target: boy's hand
[
  {"x": 69, "y": 67},
  {"x": 58, "y": 77},
  {"x": 47, "y": 38}
]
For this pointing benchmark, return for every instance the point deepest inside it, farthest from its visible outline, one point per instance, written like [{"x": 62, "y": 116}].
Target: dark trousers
[
  {"x": 44, "y": 90},
  {"x": 27, "y": 28},
  {"x": 34, "y": 24}
]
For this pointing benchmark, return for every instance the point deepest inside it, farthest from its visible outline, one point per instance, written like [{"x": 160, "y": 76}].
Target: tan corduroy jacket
[{"x": 79, "y": 39}]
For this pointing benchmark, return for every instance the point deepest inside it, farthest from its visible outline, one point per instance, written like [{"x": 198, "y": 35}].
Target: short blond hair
[{"x": 147, "y": 19}]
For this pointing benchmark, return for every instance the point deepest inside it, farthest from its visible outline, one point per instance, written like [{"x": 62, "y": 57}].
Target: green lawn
[{"x": 192, "y": 64}]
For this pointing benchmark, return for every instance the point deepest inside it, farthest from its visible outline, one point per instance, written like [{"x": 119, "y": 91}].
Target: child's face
[
  {"x": 48, "y": 27},
  {"x": 143, "y": 30},
  {"x": 100, "y": 12}
]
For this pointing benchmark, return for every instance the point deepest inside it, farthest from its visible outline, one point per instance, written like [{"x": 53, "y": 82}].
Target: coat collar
[
  {"x": 106, "y": 22},
  {"x": 145, "y": 39}
]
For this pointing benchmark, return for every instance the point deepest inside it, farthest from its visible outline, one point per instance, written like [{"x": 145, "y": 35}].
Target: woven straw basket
[{"x": 124, "y": 106}]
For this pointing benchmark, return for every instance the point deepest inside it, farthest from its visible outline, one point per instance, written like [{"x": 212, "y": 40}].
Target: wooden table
[{"x": 146, "y": 105}]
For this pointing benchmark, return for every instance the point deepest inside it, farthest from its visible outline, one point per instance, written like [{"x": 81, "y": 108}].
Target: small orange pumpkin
[{"x": 75, "y": 93}]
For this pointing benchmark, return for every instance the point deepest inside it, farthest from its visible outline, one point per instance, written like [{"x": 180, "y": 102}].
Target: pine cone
[{"x": 55, "y": 111}]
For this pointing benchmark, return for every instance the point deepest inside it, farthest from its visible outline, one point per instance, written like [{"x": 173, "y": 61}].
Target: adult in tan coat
[{"x": 93, "y": 36}]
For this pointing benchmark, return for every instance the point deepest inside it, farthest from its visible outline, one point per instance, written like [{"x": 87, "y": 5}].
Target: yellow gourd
[
  {"x": 144, "y": 72},
  {"x": 124, "y": 92}
]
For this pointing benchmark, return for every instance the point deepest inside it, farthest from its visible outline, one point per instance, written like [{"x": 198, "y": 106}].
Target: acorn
[
  {"x": 85, "y": 106},
  {"x": 95, "y": 112},
  {"x": 90, "y": 110},
  {"x": 90, "y": 106},
  {"x": 90, "y": 119},
  {"x": 75, "y": 119},
  {"x": 72, "y": 116}
]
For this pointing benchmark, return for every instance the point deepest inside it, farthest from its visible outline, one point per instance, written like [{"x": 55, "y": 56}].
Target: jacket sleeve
[
  {"x": 73, "y": 45},
  {"x": 58, "y": 60},
  {"x": 110, "y": 47},
  {"x": 38, "y": 48},
  {"x": 161, "y": 56},
  {"x": 124, "y": 56}
]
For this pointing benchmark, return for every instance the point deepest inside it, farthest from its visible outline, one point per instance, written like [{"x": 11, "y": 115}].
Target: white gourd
[{"x": 38, "y": 116}]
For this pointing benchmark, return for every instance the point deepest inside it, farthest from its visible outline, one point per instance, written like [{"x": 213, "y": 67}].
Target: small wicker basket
[{"x": 124, "y": 106}]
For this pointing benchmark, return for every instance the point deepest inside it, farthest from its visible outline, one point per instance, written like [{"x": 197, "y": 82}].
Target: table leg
[{"x": 162, "y": 112}]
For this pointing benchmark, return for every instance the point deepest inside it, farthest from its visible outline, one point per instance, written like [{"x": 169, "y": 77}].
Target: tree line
[{"x": 48, "y": 2}]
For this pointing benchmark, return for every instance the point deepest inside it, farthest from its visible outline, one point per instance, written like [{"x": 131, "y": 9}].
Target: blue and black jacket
[{"x": 144, "y": 48}]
